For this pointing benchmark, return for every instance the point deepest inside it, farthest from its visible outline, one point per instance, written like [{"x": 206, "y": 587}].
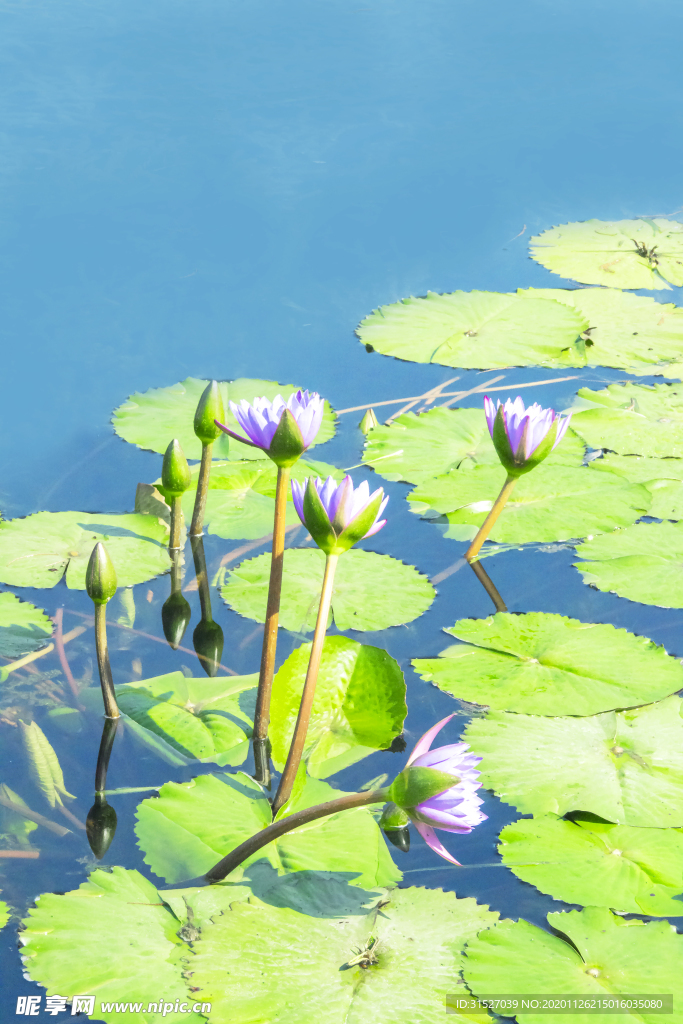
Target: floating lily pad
[
  {"x": 198, "y": 719},
  {"x": 624, "y": 766},
  {"x": 544, "y": 664},
  {"x": 662, "y": 477},
  {"x": 631, "y": 332},
  {"x": 633, "y": 419},
  {"x": 359, "y": 705},
  {"x": 643, "y": 253},
  {"x": 5, "y": 913},
  {"x": 39, "y": 550},
  {"x": 417, "y": 448},
  {"x": 371, "y": 591},
  {"x": 23, "y": 627},
  {"x": 605, "y": 955},
  {"x": 477, "y": 330},
  {"x": 638, "y": 870},
  {"x": 643, "y": 563},
  {"x": 554, "y": 503},
  {"x": 264, "y": 963},
  {"x": 152, "y": 418},
  {"x": 190, "y": 826}
]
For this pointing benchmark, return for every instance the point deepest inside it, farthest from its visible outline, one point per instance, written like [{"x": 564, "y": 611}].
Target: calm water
[{"x": 224, "y": 189}]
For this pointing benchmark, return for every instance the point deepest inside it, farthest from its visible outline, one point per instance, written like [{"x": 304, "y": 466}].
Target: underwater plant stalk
[
  {"x": 111, "y": 709},
  {"x": 301, "y": 728},
  {"x": 279, "y": 828},
  {"x": 197, "y": 527},
  {"x": 176, "y": 522},
  {"x": 488, "y": 585},
  {"x": 490, "y": 521}
]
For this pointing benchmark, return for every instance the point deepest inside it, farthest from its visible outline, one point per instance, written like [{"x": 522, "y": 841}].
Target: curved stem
[
  {"x": 267, "y": 671},
  {"x": 110, "y": 706},
  {"x": 106, "y": 744},
  {"x": 197, "y": 527},
  {"x": 301, "y": 728},
  {"x": 279, "y": 828},
  {"x": 488, "y": 585},
  {"x": 176, "y": 522},
  {"x": 490, "y": 521}
]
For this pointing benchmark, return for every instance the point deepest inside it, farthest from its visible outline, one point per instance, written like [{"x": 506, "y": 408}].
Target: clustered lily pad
[
  {"x": 632, "y": 419},
  {"x": 641, "y": 563}
]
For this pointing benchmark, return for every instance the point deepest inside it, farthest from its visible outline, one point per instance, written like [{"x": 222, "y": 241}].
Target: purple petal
[
  {"x": 490, "y": 413},
  {"x": 429, "y": 836},
  {"x": 562, "y": 429},
  {"x": 375, "y": 529},
  {"x": 298, "y": 491},
  {"x": 238, "y": 437},
  {"x": 425, "y": 742}
]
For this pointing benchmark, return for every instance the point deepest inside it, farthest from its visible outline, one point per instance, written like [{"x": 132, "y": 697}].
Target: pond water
[{"x": 225, "y": 190}]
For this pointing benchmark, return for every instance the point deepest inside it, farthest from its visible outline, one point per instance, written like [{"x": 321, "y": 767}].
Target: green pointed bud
[
  {"x": 393, "y": 817},
  {"x": 317, "y": 521},
  {"x": 210, "y": 408},
  {"x": 288, "y": 443},
  {"x": 100, "y": 826},
  {"x": 515, "y": 463},
  {"x": 100, "y": 576},
  {"x": 208, "y": 644},
  {"x": 416, "y": 784},
  {"x": 369, "y": 422},
  {"x": 359, "y": 526},
  {"x": 175, "y": 615},
  {"x": 175, "y": 472}
]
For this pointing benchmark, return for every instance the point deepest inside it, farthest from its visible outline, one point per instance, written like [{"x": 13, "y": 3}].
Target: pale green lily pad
[
  {"x": 631, "y": 332},
  {"x": 153, "y": 418},
  {"x": 552, "y": 503},
  {"x": 5, "y": 913},
  {"x": 643, "y": 253},
  {"x": 300, "y": 974},
  {"x": 662, "y": 477},
  {"x": 112, "y": 937},
  {"x": 371, "y": 591},
  {"x": 198, "y": 719},
  {"x": 643, "y": 563},
  {"x": 477, "y": 330},
  {"x": 41, "y": 549},
  {"x": 23, "y": 627},
  {"x": 359, "y": 705},
  {"x": 605, "y": 955},
  {"x": 632, "y": 419},
  {"x": 190, "y": 826},
  {"x": 637, "y": 870},
  {"x": 545, "y": 664},
  {"x": 624, "y": 766},
  {"x": 416, "y": 448}
]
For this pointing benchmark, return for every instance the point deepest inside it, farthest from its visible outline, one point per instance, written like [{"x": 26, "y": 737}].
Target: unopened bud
[
  {"x": 175, "y": 472},
  {"x": 100, "y": 576},
  {"x": 209, "y": 409},
  {"x": 368, "y": 422}
]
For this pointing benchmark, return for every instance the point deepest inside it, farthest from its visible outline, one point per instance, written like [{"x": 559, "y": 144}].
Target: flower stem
[
  {"x": 176, "y": 522},
  {"x": 301, "y": 728},
  {"x": 488, "y": 585},
  {"x": 279, "y": 828},
  {"x": 110, "y": 706},
  {"x": 197, "y": 527},
  {"x": 490, "y": 521},
  {"x": 265, "y": 682}
]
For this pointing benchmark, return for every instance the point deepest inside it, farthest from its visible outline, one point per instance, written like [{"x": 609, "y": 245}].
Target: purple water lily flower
[
  {"x": 456, "y": 809},
  {"x": 523, "y": 437},
  {"x": 338, "y": 515},
  {"x": 261, "y": 419}
]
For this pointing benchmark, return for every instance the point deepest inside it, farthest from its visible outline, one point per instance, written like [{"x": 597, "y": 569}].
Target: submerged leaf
[
  {"x": 23, "y": 627},
  {"x": 43, "y": 764}
]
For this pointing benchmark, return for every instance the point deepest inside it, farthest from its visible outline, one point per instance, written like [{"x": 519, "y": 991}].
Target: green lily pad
[
  {"x": 626, "y": 767},
  {"x": 631, "y": 332},
  {"x": 190, "y": 826},
  {"x": 605, "y": 956},
  {"x": 642, "y": 563},
  {"x": 300, "y": 974},
  {"x": 371, "y": 591},
  {"x": 633, "y": 419},
  {"x": 552, "y": 503},
  {"x": 41, "y": 549},
  {"x": 544, "y": 664},
  {"x": 662, "y": 477},
  {"x": 644, "y": 253},
  {"x": 5, "y": 913},
  {"x": 23, "y": 627},
  {"x": 635, "y": 870},
  {"x": 199, "y": 719},
  {"x": 359, "y": 705},
  {"x": 152, "y": 418},
  {"x": 114, "y": 937},
  {"x": 418, "y": 447},
  {"x": 477, "y": 330}
]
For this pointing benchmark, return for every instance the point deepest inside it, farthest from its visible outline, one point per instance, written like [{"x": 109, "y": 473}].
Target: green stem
[
  {"x": 197, "y": 527},
  {"x": 110, "y": 706},
  {"x": 490, "y": 521},
  {"x": 176, "y": 522},
  {"x": 279, "y": 828},
  {"x": 267, "y": 671},
  {"x": 106, "y": 744},
  {"x": 301, "y": 728}
]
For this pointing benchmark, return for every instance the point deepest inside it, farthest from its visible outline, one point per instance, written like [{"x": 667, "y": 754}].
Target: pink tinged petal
[
  {"x": 298, "y": 491},
  {"x": 425, "y": 742},
  {"x": 375, "y": 529},
  {"x": 562, "y": 429},
  {"x": 333, "y": 494},
  {"x": 490, "y": 413},
  {"x": 429, "y": 836},
  {"x": 232, "y": 433}
]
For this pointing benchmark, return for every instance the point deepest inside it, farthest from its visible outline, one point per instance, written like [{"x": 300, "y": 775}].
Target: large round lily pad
[
  {"x": 41, "y": 549},
  {"x": 371, "y": 591},
  {"x": 643, "y": 253},
  {"x": 544, "y": 664},
  {"x": 477, "y": 329},
  {"x": 153, "y": 418},
  {"x": 23, "y": 627},
  {"x": 643, "y": 563},
  {"x": 633, "y": 419},
  {"x": 626, "y": 767}
]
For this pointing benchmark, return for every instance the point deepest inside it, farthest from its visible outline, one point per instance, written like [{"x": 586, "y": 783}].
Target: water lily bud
[
  {"x": 523, "y": 437},
  {"x": 288, "y": 443},
  {"x": 368, "y": 422},
  {"x": 100, "y": 826},
  {"x": 208, "y": 643},
  {"x": 337, "y": 516},
  {"x": 100, "y": 576},
  {"x": 175, "y": 615},
  {"x": 283, "y": 430},
  {"x": 399, "y": 837},
  {"x": 209, "y": 409},
  {"x": 393, "y": 817},
  {"x": 175, "y": 472}
]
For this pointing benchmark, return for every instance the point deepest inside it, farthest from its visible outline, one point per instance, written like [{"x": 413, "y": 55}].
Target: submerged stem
[
  {"x": 488, "y": 585},
  {"x": 197, "y": 527},
  {"x": 279, "y": 828},
  {"x": 301, "y": 728},
  {"x": 490, "y": 521},
  {"x": 110, "y": 706}
]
